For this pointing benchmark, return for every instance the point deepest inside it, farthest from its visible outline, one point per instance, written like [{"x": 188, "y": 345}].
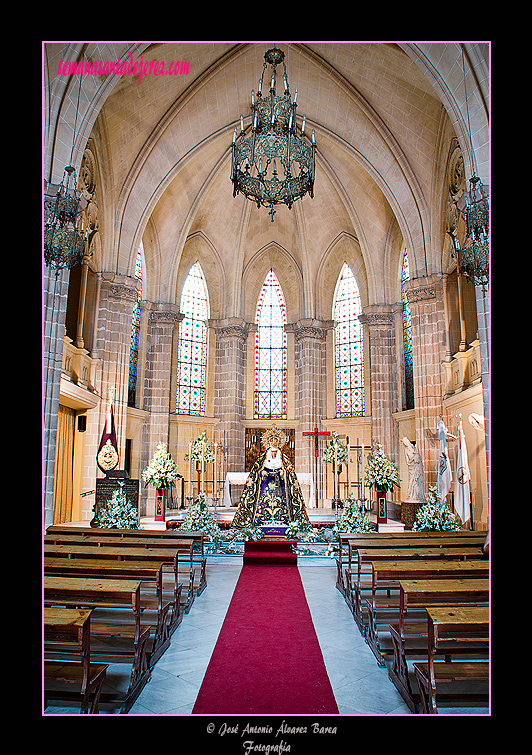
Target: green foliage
[
  {"x": 435, "y": 515},
  {"x": 118, "y": 512}
]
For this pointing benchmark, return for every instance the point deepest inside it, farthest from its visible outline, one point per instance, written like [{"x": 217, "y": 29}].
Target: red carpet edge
[{"x": 267, "y": 658}]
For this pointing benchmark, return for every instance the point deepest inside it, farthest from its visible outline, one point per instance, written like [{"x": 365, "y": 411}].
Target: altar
[{"x": 240, "y": 478}]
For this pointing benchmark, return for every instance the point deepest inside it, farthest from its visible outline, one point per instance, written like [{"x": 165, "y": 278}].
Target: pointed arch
[
  {"x": 348, "y": 347},
  {"x": 270, "y": 395},
  {"x": 192, "y": 344}
]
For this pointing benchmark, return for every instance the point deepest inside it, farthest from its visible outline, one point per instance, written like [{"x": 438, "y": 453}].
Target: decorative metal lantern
[
  {"x": 63, "y": 245},
  {"x": 473, "y": 259},
  {"x": 275, "y": 144}
]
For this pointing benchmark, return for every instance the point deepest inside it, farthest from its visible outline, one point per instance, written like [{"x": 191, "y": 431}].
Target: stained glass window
[
  {"x": 135, "y": 329},
  {"x": 407, "y": 339},
  {"x": 349, "y": 347},
  {"x": 192, "y": 345},
  {"x": 270, "y": 352}
]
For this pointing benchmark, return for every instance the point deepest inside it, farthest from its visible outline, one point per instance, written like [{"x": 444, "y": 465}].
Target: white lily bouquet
[
  {"x": 201, "y": 448},
  {"x": 162, "y": 471},
  {"x": 380, "y": 473},
  {"x": 336, "y": 449}
]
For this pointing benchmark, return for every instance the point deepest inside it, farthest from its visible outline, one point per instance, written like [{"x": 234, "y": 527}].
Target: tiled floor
[{"x": 360, "y": 686}]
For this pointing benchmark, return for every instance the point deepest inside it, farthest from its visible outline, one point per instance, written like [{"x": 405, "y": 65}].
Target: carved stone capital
[
  {"x": 309, "y": 332},
  {"x": 120, "y": 291},
  {"x": 231, "y": 332},
  {"x": 165, "y": 318},
  {"x": 377, "y": 319}
]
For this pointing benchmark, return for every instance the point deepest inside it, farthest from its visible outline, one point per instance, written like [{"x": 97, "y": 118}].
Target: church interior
[{"x": 193, "y": 305}]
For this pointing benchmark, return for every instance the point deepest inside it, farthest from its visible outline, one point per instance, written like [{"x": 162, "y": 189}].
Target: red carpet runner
[{"x": 267, "y": 659}]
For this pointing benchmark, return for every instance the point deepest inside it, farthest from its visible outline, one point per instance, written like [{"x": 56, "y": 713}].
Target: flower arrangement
[
  {"x": 380, "y": 473},
  {"x": 335, "y": 449},
  {"x": 118, "y": 512},
  {"x": 161, "y": 472},
  {"x": 435, "y": 515},
  {"x": 352, "y": 518},
  {"x": 201, "y": 448},
  {"x": 199, "y": 519}
]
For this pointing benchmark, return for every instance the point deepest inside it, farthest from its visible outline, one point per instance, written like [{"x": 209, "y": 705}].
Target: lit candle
[
  {"x": 272, "y": 85},
  {"x": 295, "y": 97},
  {"x": 303, "y": 126},
  {"x": 290, "y": 123},
  {"x": 242, "y": 123},
  {"x": 313, "y": 139},
  {"x": 252, "y": 96}
]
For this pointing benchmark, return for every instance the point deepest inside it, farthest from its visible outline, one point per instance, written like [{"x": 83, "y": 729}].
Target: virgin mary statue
[{"x": 272, "y": 494}]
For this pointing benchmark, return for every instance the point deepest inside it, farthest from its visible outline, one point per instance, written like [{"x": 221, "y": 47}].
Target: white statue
[{"x": 416, "y": 476}]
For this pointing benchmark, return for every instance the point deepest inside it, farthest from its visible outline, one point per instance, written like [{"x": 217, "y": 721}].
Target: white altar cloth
[{"x": 239, "y": 478}]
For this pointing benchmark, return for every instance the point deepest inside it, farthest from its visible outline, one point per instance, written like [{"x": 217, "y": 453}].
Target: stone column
[
  {"x": 426, "y": 300},
  {"x": 54, "y": 314},
  {"x": 310, "y": 368},
  {"x": 483, "y": 319},
  {"x": 380, "y": 322},
  {"x": 117, "y": 298},
  {"x": 162, "y": 320},
  {"x": 230, "y": 389}
]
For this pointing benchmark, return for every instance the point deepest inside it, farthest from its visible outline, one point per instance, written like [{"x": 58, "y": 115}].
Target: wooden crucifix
[{"x": 316, "y": 435}]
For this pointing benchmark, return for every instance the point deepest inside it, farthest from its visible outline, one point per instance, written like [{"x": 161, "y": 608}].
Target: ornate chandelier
[
  {"x": 473, "y": 259},
  {"x": 63, "y": 244},
  {"x": 274, "y": 142}
]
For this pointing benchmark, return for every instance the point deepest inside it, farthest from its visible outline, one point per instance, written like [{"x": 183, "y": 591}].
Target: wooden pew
[
  {"x": 400, "y": 540},
  {"x": 411, "y": 639},
  {"x": 151, "y": 574},
  {"x": 344, "y": 538},
  {"x": 117, "y": 614},
  {"x": 358, "y": 578},
  {"x": 178, "y": 556},
  {"x": 383, "y": 604},
  {"x": 67, "y": 636},
  {"x": 469, "y": 624},
  {"x": 145, "y": 538}
]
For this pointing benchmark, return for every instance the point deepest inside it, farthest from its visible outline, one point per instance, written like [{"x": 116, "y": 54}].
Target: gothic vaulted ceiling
[{"x": 383, "y": 124}]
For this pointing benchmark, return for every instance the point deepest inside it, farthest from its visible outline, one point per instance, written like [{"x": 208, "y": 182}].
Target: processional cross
[{"x": 316, "y": 435}]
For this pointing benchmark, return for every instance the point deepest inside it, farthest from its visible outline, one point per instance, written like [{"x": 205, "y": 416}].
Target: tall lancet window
[
  {"x": 348, "y": 347},
  {"x": 192, "y": 344},
  {"x": 270, "y": 352},
  {"x": 407, "y": 339},
  {"x": 135, "y": 330}
]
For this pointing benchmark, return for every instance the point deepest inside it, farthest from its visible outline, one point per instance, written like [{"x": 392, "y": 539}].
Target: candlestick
[
  {"x": 215, "y": 490},
  {"x": 202, "y": 466},
  {"x": 190, "y": 469},
  {"x": 335, "y": 471},
  {"x": 348, "y": 480}
]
